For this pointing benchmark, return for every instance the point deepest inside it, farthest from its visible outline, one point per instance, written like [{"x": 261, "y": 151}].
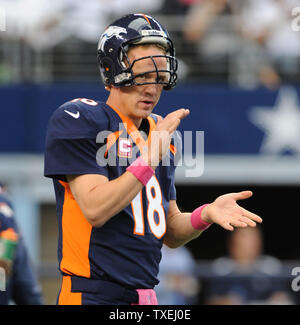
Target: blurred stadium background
[{"x": 239, "y": 75}]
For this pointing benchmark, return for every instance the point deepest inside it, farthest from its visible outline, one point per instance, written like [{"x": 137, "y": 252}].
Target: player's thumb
[
  {"x": 182, "y": 113},
  {"x": 159, "y": 119},
  {"x": 243, "y": 195}
]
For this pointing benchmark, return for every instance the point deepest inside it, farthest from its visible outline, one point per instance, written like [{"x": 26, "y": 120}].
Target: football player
[
  {"x": 114, "y": 217},
  {"x": 21, "y": 285}
]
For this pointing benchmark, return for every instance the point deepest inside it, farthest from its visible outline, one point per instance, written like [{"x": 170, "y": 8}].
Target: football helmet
[{"x": 131, "y": 30}]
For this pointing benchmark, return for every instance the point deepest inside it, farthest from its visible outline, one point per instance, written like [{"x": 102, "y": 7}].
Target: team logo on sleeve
[
  {"x": 6, "y": 210},
  {"x": 125, "y": 148}
]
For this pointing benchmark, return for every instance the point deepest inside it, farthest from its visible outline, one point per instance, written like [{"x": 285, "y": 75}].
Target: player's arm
[
  {"x": 101, "y": 199},
  {"x": 179, "y": 227},
  {"x": 224, "y": 211}
]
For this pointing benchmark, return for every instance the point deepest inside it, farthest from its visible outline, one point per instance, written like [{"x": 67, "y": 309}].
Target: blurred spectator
[
  {"x": 246, "y": 42},
  {"x": 95, "y": 15},
  {"x": 249, "y": 61},
  {"x": 283, "y": 43},
  {"x": 200, "y": 16},
  {"x": 178, "y": 284},
  {"x": 208, "y": 31},
  {"x": 256, "y": 22},
  {"x": 177, "y": 7},
  {"x": 46, "y": 40},
  {"x": 247, "y": 276},
  {"x": 45, "y": 23},
  {"x": 21, "y": 286}
]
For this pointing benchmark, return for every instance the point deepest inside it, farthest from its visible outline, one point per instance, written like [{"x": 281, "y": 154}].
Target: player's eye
[
  {"x": 162, "y": 77},
  {"x": 152, "y": 77},
  {"x": 145, "y": 77}
]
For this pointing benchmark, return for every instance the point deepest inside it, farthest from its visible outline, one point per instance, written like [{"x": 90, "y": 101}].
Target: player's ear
[{"x": 108, "y": 88}]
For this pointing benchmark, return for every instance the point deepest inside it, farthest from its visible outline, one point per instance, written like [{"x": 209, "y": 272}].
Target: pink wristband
[
  {"x": 197, "y": 221},
  {"x": 141, "y": 170}
]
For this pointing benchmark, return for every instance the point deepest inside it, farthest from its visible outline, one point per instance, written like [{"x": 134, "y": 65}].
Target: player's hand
[
  {"x": 225, "y": 212},
  {"x": 171, "y": 122},
  {"x": 161, "y": 136}
]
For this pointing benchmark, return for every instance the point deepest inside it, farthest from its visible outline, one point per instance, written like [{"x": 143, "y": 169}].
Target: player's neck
[
  {"x": 137, "y": 121},
  {"x": 114, "y": 102}
]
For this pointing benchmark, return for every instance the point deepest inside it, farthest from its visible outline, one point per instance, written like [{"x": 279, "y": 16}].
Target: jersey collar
[{"x": 133, "y": 131}]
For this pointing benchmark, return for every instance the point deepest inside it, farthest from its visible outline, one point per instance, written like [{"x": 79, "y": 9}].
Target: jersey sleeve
[{"x": 71, "y": 147}]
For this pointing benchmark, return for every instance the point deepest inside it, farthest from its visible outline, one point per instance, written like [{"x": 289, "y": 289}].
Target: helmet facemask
[{"x": 166, "y": 77}]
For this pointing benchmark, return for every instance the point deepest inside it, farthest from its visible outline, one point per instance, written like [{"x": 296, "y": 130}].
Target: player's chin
[{"x": 146, "y": 108}]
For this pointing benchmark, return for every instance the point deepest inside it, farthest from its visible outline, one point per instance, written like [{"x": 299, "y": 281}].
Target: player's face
[{"x": 138, "y": 101}]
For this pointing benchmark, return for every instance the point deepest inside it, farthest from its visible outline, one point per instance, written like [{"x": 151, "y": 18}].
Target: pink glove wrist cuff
[
  {"x": 141, "y": 170},
  {"x": 197, "y": 221}
]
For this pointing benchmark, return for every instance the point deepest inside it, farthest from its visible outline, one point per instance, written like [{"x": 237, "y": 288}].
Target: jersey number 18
[{"x": 154, "y": 196}]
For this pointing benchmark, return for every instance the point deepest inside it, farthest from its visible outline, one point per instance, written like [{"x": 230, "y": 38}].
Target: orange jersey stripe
[
  {"x": 134, "y": 132},
  {"x": 111, "y": 139},
  {"x": 152, "y": 127},
  {"x": 66, "y": 297},
  {"x": 173, "y": 149},
  {"x": 76, "y": 234}
]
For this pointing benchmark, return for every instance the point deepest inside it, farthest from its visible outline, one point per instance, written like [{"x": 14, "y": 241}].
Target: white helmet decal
[{"x": 109, "y": 33}]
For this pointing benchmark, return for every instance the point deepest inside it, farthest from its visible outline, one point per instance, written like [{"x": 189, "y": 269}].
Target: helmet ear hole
[{"x": 107, "y": 70}]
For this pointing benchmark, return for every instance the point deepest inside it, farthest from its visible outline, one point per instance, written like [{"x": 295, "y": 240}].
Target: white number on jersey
[{"x": 154, "y": 196}]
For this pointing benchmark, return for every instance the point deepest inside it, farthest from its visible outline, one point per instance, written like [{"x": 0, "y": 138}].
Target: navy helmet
[{"x": 131, "y": 30}]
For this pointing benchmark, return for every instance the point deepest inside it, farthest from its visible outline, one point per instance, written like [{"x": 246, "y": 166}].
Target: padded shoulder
[{"x": 78, "y": 118}]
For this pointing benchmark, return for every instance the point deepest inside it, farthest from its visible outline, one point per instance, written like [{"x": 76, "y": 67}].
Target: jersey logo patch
[
  {"x": 125, "y": 148},
  {"x": 75, "y": 115}
]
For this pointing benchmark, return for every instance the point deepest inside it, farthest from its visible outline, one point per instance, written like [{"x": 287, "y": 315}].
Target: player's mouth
[{"x": 148, "y": 104}]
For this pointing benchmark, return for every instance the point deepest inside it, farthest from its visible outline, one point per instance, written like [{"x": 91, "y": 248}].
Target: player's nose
[{"x": 152, "y": 89}]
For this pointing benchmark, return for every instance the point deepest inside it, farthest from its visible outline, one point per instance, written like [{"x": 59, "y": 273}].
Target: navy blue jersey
[{"x": 88, "y": 137}]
